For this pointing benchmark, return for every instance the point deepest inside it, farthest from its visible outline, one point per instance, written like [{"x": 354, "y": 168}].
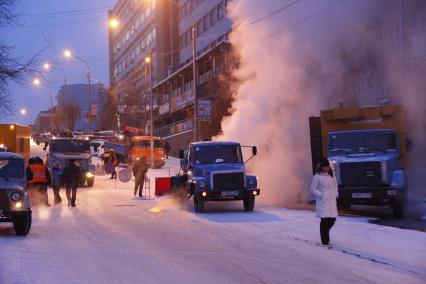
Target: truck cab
[
  {"x": 215, "y": 171},
  {"x": 368, "y": 168},
  {"x": 140, "y": 146},
  {"x": 14, "y": 200},
  {"x": 64, "y": 149}
]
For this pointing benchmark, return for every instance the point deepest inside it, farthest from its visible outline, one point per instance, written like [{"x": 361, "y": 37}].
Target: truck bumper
[
  {"x": 6, "y": 215},
  {"x": 371, "y": 196},
  {"x": 224, "y": 195}
]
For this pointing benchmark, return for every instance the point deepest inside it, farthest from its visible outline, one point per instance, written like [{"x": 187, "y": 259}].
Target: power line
[
  {"x": 275, "y": 12},
  {"x": 68, "y": 12},
  {"x": 302, "y": 21}
]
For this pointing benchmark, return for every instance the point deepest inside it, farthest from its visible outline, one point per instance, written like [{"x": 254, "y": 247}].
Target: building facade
[
  {"x": 162, "y": 30},
  {"x": 73, "y": 101}
]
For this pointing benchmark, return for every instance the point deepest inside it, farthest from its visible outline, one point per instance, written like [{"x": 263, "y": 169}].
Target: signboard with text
[{"x": 204, "y": 109}]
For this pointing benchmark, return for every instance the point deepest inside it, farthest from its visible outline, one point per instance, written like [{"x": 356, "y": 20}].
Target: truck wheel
[
  {"x": 90, "y": 182},
  {"x": 249, "y": 203},
  {"x": 22, "y": 224},
  {"x": 398, "y": 208},
  {"x": 198, "y": 204}
]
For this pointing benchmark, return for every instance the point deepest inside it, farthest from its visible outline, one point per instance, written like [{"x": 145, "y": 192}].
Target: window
[
  {"x": 206, "y": 23},
  {"x": 199, "y": 27},
  {"x": 221, "y": 10},
  {"x": 213, "y": 17},
  {"x": 187, "y": 37}
]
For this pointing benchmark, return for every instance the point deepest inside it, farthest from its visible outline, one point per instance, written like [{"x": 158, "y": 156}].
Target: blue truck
[
  {"x": 215, "y": 171},
  {"x": 64, "y": 149},
  {"x": 367, "y": 150}
]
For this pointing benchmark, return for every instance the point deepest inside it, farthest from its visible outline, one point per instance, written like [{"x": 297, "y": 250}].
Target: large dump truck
[
  {"x": 16, "y": 138},
  {"x": 367, "y": 149}
]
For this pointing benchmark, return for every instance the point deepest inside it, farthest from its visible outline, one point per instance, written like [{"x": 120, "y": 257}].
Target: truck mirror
[
  {"x": 181, "y": 154},
  {"x": 254, "y": 150}
]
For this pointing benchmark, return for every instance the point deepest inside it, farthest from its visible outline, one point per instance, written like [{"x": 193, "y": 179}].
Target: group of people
[{"x": 40, "y": 178}]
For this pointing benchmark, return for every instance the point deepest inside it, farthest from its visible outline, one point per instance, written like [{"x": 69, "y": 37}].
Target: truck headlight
[
  {"x": 89, "y": 175},
  {"x": 15, "y": 196},
  {"x": 18, "y": 204}
]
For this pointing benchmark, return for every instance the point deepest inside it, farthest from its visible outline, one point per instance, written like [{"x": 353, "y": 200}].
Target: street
[{"x": 113, "y": 237}]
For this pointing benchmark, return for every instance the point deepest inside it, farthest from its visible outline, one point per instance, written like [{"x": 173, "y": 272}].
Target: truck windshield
[
  {"x": 11, "y": 168},
  {"x": 218, "y": 154},
  {"x": 146, "y": 143},
  {"x": 362, "y": 142},
  {"x": 70, "y": 146}
]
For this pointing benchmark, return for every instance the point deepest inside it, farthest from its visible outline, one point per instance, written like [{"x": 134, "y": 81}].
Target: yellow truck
[
  {"x": 368, "y": 151},
  {"x": 16, "y": 138}
]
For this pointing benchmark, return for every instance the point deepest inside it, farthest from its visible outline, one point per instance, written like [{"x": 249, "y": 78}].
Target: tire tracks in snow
[{"x": 359, "y": 255}]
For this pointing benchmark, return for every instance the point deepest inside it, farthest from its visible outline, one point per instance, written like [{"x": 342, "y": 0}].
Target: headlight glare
[{"x": 89, "y": 175}]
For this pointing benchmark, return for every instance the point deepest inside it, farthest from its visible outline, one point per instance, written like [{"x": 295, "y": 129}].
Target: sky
[{"x": 48, "y": 27}]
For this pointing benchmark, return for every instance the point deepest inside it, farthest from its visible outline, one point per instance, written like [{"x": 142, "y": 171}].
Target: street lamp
[
  {"x": 148, "y": 61},
  {"x": 36, "y": 81},
  {"x": 23, "y": 111},
  {"x": 68, "y": 54},
  {"x": 46, "y": 66},
  {"x": 114, "y": 23}
]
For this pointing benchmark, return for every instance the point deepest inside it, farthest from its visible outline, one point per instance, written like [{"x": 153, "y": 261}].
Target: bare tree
[
  {"x": 72, "y": 113},
  {"x": 12, "y": 68}
]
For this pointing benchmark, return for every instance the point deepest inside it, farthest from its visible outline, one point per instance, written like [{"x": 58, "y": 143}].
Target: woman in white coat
[{"x": 324, "y": 188}]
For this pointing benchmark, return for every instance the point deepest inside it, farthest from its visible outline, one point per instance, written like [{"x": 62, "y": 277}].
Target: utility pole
[
  {"x": 90, "y": 103},
  {"x": 194, "y": 87},
  {"x": 148, "y": 60}
]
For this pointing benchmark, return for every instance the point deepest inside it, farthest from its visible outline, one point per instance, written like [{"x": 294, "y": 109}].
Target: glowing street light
[
  {"x": 23, "y": 111},
  {"x": 114, "y": 23},
  {"x": 46, "y": 66},
  {"x": 67, "y": 53},
  {"x": 36, "y": 82},
  {"x": 148, "y": 59}
]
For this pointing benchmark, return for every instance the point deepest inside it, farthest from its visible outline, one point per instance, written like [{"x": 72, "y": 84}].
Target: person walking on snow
[
  {"x": 167, "y": 149},
  {"x": 113, "y": 164},
  {"x": 40, "y": 180},
  {"x": 71, "y": 178},
  {"x": 56, "y": 182},
  {"x": 140, "y": 168},
  {"x": 324, "y": 188}
]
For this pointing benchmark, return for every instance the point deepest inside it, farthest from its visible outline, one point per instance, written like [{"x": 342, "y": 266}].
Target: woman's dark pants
[{"x": 325, "y": 226}]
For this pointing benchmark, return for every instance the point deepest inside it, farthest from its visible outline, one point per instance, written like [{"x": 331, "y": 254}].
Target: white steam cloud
[{"x": 310, "y": 56}]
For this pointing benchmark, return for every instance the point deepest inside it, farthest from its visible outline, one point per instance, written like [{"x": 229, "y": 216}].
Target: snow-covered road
[{"x": 112, "y": 237}]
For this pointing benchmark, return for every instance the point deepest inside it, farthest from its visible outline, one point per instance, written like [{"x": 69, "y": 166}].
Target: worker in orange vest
[{"x": 40, "y": 179}]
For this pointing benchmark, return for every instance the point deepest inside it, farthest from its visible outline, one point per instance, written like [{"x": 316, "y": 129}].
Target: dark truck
[
  {"x": 366, "y": 148},
  {"x": 215, "y": 171}
]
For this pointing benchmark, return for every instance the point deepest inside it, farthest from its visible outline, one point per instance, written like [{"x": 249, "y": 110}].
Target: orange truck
[
  {"x": 133, "y": 148},
  {"x": 16, "y": 138},
  {"x": 141, "y": 146}
]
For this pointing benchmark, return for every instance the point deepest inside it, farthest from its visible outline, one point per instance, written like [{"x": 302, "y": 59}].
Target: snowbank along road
[{"x": 113, "y": 237}]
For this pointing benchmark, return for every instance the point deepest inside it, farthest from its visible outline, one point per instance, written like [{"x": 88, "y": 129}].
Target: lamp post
[
  {"x": 67, "y": 53},
  {"x": 148, "y": 61}
]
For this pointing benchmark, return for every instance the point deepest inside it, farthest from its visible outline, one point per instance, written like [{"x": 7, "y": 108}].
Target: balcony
[{"x": 175, "y": 128}]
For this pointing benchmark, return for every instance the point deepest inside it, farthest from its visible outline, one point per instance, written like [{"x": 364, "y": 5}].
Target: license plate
[
  {"x": 229, "y": 193},
  {"x": 361, "y": 195}
]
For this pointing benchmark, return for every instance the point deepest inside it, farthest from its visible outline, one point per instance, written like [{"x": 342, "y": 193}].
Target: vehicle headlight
[
  {"x": 15, "y": 196},
  {"x": 90, "y": 175}
]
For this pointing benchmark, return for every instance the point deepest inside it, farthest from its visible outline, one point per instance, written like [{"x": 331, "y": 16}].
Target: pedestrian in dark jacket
[
  {"x": 71, "y": 177},
  {"x": 113, "y": 163},
  {"x": 324, "y": 188},
  {"x": 140, "y": 168},
  {"x": 56, "y": 182}
]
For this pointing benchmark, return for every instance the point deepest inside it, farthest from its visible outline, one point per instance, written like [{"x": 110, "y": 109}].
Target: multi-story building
[
  {"x": 75, "y": 101},
  {"x": 145, "y": 30}
]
